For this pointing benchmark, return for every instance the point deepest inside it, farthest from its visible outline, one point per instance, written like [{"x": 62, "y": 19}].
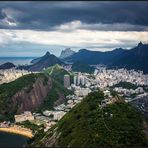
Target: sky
[{"x": 32, "y": 28}]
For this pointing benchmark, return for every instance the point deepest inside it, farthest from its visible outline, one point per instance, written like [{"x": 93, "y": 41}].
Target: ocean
[
  {"x": 16, "y": 60},
  {"x": 8, "y": 139},
  {"x": 12, "y": 140}
]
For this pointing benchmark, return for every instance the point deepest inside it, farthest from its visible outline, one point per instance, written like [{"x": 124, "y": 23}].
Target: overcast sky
[{"x": 32, "y": 28}]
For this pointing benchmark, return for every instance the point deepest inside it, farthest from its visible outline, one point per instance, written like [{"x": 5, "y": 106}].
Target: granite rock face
[
  {"x": 66, "y": 53},
  {"x": 31, "y": 98}
]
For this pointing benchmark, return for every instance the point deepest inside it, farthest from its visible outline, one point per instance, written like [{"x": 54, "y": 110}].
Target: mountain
[
  {"x": 135, "y": 58},
  {"x": 94, "y": 57},
  {"x": 7, "y": 65},
  {"x": 80, "y": 67},
  {"x": 30, "y": 92},
  {"x": 44, "y": 62},
  {"x": 36, "y": 60},
  {"x": 87, "y": 125},
  {"x": 66, "y": 53}
]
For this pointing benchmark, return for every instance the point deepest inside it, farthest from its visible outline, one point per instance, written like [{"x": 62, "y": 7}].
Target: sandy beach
[{"x": 18, "y": 130}]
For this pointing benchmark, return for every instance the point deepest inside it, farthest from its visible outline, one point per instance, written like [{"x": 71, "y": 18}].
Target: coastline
[{"x": 18, "y": 130}]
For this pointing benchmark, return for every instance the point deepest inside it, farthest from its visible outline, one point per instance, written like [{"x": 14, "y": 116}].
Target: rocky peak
[
  {"x": 66, "y": 53},
  {"x": 47, "y": 53},
  {"x": 140, "y": 44}
]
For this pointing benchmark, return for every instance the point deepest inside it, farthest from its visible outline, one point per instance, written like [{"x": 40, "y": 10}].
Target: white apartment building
[{"x": 24, "y": 117}]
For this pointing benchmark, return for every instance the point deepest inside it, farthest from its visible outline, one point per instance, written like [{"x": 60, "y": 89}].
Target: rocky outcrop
[
  {"x": 32, "y": 97},
  {"x": 66, "y": 53}
]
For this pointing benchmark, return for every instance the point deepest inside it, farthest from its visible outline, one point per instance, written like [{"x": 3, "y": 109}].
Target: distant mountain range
[
  {"x": 45, "y": 61},
  {"x": 7, "y": 65},
  {"x": 135, "y": 58},
  {"x": 94, "y": 57},
  {"x": 66, "y": 53}
]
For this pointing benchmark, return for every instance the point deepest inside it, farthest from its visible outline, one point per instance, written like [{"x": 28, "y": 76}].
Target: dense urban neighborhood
[{"x": 130, "y": 84}]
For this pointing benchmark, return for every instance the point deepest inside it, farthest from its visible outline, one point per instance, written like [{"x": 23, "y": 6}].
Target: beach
[{"x": 18, "y": 130}]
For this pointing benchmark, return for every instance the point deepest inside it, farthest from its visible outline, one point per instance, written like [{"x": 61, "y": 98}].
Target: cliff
[
  {"x": 31, "y": 98},
  {"x": 30, "y": 92},
  {"x": 66, "y": 53}
]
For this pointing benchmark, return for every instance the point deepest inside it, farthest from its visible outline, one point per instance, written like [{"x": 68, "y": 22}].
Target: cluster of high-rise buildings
[
  {"x": 78, "y": 80},
  {"x": 105, "y": 78},
  {"x": 67, "y": 81}
]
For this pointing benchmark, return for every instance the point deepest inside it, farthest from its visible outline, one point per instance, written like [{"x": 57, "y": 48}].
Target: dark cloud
[{"x": 46, "y": 15}]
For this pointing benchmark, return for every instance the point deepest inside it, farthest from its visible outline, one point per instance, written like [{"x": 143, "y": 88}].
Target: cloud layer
[
  {"x": 93, "y": 40},
  {"x": 46, "y": 15},
  {"x": 57, "y": 25}
]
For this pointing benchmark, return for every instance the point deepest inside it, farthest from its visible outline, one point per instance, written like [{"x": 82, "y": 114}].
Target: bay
[
  {"x": 16, "y": 60},
  {"x": 12, "y": 140}
]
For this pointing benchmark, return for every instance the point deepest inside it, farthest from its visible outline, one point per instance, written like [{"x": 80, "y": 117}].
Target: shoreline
[{"x": 18, "y": 130}]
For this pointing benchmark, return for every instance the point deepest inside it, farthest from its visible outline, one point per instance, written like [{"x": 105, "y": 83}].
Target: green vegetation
[
  {"x": 55, "y": 93},
  {"x": 80, "y": 67},
  {"x": 39, "y": 134},
  {"x": 37, "y": 140},
  {"x": 57, "y": 72},
  {"x": 32, "y": 126},
  {"x": 92, "y": 127},
  {"x": 86, "y": 125},
  {"x": 8, "y": 108},
  {"x": 3, "y": 118},
  {"x": 126, "y": 85},
  {"x": 113, "y": 93},
  {"x": 38, "y": 130},
  {"x": 7, "y": 90}
]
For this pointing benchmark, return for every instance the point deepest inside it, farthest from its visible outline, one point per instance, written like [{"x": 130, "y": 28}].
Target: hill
[
  {"x": 40, "y": 63},
  {"x": 66, "y": 53},
  {"x": 44, "y": 62},
  {"x": 30, "y": 92},
  {"x": 80, "y": 67},
  {"x": 7, "y": 65},
  {"x": 57, "y": 72},
  {"x": 135, "y": 58},
  {"x": 87, "y": 125},
  {"x": 126, "y": 85}
]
